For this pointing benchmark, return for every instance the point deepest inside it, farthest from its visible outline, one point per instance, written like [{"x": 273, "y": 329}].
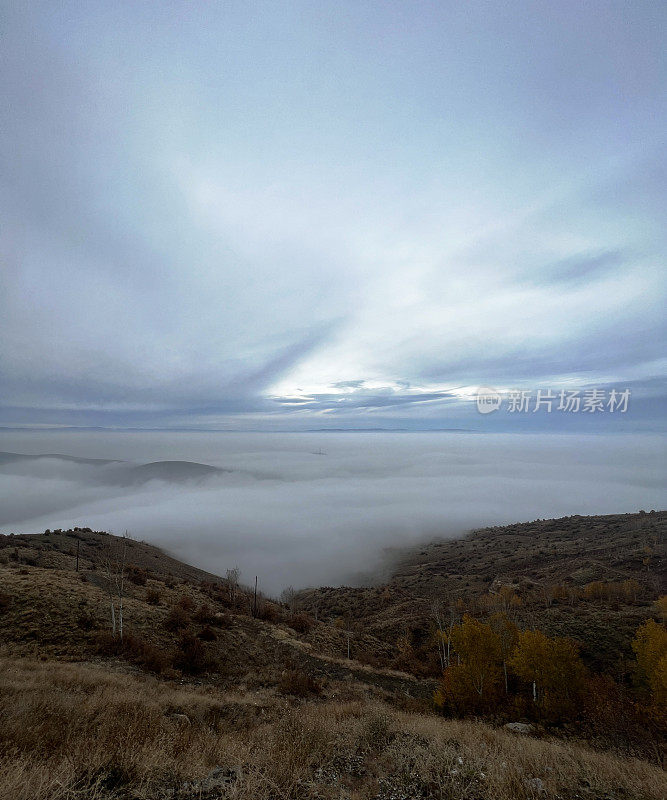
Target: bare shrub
[
  {"x": 87, "y": 621},
  {"x": 207, "y": 634},
  {"x": 190, "y": 657},
  {"x": 186, "y": 603},
  {"x": 203, "y": 614},
  {"x": 298, "y": 683},
  {"x": 177, "y": 619},
  {"x": 138, "y": 576},
  {"x": 153, "y": 597},
  {"x": 301, "y": 622}
]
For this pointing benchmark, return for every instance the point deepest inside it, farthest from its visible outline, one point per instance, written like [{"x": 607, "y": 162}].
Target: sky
[{"x": 295, "y": 216}]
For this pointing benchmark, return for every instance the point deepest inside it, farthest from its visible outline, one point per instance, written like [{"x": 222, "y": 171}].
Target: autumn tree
[
  {"x": 438, "y": 616},
  {"x": 650, "y": 647},
  {"x": 507, "y": 633},
  {"x": 479, "y": 649},
  {"x": 661, "y": 607},
  {"x": 596, "y": 590},
  {"x": 553, "y": 668},
  {"x": 659, "y": 686},
  {"x": 508, "y": 599}
]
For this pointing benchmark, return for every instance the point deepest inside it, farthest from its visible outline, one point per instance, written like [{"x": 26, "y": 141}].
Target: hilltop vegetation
[
  {"x": 128, "y": 674},
  {"x": 593, "y": 579}
]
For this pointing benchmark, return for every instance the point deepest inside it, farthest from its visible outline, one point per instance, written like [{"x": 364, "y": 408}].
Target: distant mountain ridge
[{"x": 125, "y": 473}]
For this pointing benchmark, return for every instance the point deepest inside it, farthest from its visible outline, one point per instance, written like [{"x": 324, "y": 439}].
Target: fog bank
[{"x": 307, "y": 509}]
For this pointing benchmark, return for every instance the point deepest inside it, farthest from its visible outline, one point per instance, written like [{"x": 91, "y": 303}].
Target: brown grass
[{"x": 78, "y": 730}]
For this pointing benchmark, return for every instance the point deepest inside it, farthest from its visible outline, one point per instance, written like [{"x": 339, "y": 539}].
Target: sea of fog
[{"x": 315, "y": 508}]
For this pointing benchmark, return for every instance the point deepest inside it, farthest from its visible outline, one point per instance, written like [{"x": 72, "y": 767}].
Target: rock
[
  {"x": 535, "y": 784},
  {"x": 520, "y": 727},
  {"x": 220, "y": 777},
  {"x": 212, "y": 786}
]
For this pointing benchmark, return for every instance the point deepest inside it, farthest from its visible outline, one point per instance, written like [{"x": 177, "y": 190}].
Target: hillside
[
  {"x": 553, "y": 567},
  {"x": 213, "y": 693},
  {"x": 52, "y": 610}
]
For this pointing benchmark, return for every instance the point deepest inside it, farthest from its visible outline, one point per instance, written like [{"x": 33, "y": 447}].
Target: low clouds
[{"x": 308, "y": 509}]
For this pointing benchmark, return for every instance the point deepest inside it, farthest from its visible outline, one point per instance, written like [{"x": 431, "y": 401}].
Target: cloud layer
[
  {"x": 261, "y": 214},
  {"x": 310, "y": 509}
]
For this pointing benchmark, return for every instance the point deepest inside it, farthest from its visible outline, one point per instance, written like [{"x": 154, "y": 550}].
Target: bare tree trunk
[
  {"x": 121, "y": 585},
  {"x": 440, "y": 634},
  {"x": 232, "y": 579},
  {"x": 114, "y": 567}
]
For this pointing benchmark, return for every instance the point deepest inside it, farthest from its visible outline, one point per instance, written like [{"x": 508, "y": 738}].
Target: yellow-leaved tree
[
  {"x": 650, "y": 646},
  {"x": 473, "y": 677},
  {"x": 661, "y": 605},
  {"x": 508, "y": 635},
  {"x": 553, "y": 669}
]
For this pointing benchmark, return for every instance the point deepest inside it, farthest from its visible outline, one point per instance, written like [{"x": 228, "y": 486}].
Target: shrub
[
  {"x": 377, "y": 733},
  {"x": 177, "y": 619},
  {"x": 203, "y": 614},
  {"x": 153, "y": 597},
  {"x": 269, "y": 612},
  {"x": 368, "y": 658},
  {"x": 87, "y": 621},
  {"x": 191, "y": 655},
  {"x": 186, "y": 603},
  {"x": 298, "y": 683},
  {"x": 151, "y": 658},
  {"x": 221, "y": 620},
  {"x": 207, "y": 635},
  {"x": 5, "y": 601},
  {"x": 134, "y": 649},
  {"x": 137, "y": 575},
  {"x": 301, "y": 623},
  {"x": 108, "y": 645}
]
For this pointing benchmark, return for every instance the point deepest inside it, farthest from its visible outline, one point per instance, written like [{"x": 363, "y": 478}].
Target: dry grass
[{"x": 81, "y": 731}]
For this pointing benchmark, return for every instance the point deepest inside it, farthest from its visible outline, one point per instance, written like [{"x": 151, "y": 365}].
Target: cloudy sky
[{"x": 302, "y": 215}]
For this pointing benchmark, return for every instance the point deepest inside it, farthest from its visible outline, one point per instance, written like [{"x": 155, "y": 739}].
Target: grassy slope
[
  {"x": 529, "y": 556},
  {"x": 55, "y": 612},
  {"x": 100, "y": 728},
  {"x": 77, "y": 730}
]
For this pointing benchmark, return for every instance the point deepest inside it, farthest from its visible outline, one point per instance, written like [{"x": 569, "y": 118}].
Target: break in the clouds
[{"x": 333, "y": 214}]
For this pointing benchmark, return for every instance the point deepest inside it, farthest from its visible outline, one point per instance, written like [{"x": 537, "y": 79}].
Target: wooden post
[
  {"x": 254, "y": 602},
  {"x": 78, "y": 544}
]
